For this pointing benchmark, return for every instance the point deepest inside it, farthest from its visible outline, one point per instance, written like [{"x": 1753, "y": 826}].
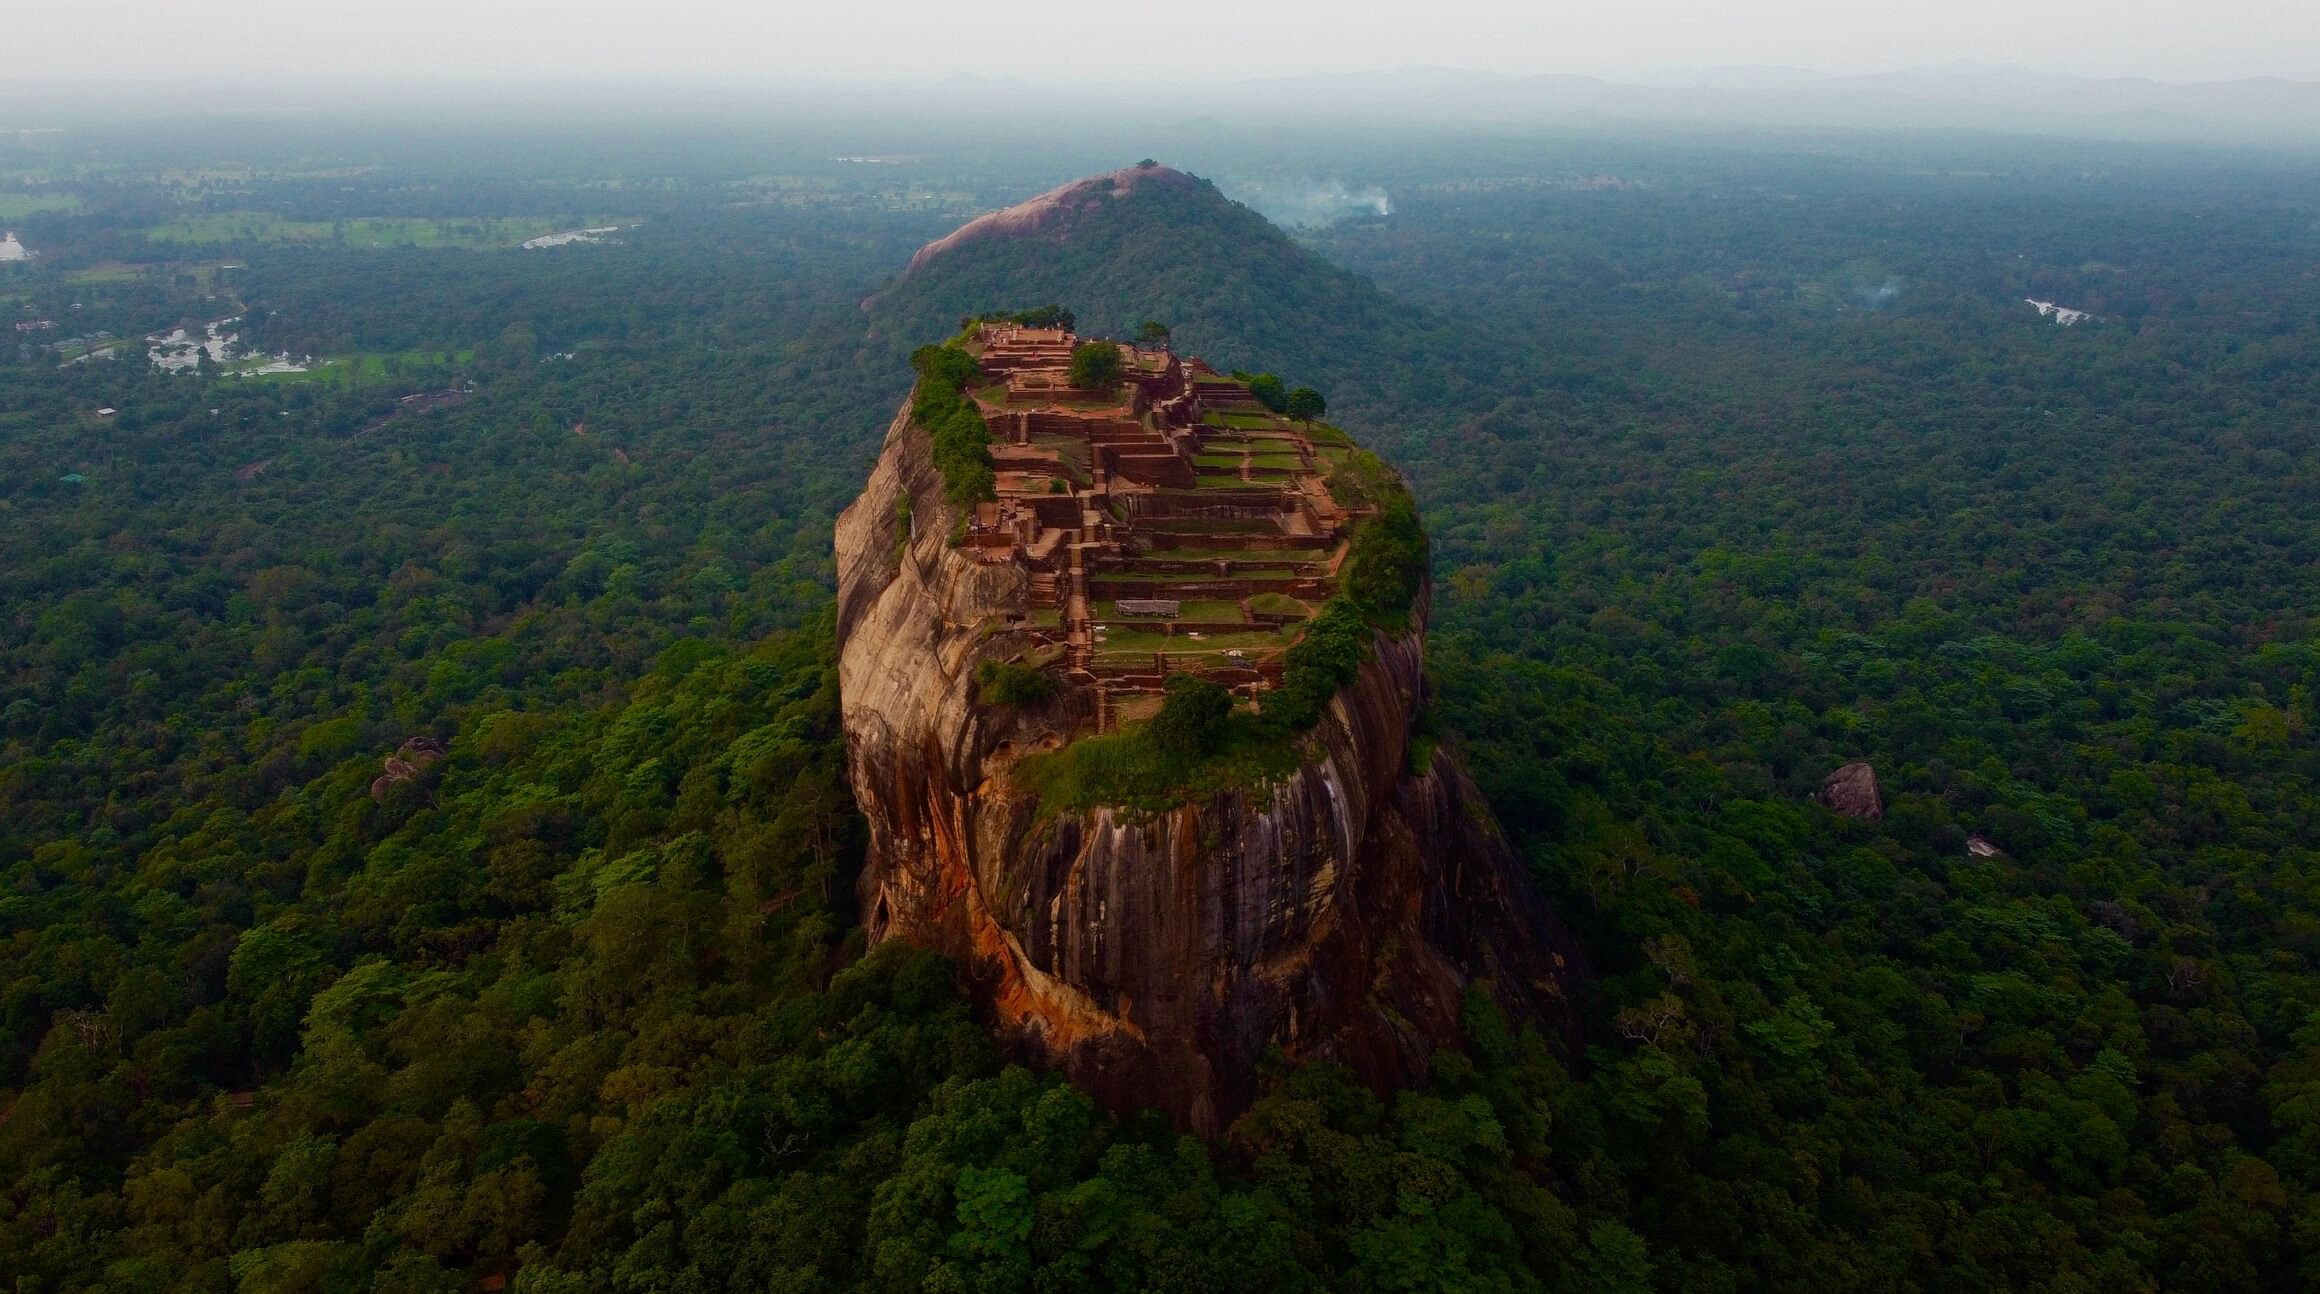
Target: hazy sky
[{"x": 773, "y": 42}]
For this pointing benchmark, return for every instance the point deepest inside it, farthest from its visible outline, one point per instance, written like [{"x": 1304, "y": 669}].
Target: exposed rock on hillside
[
  {"x": 1052, "y": 213},
  {"x": 1852, "y": 791},
  {"x": 1339, "y": 911}
]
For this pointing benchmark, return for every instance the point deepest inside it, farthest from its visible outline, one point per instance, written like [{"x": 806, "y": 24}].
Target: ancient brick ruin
[{"x": 1173, "y": 525}]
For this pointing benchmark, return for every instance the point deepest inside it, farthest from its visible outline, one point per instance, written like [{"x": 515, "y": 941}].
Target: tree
[
  {"x": 1269, "y": 392},
  {"x": 1194, "y": 717},
  {"x": 1152, "y": 334},
  {"x": 1012, "y": 683},
  {"x": 1305, "y": 404},
  {"x": 1095, "y": 365}
]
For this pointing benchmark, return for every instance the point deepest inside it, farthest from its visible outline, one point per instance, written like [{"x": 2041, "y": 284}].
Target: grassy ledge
[{"x": 962, "y": 441}]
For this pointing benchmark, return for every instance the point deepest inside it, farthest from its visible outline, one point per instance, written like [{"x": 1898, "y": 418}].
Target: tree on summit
[
  {"x": 1152, "y": 334},
  {"x": 1194, "y": 717},
  {"x": 1095, "y": 365},
  {"x": 1269, "y": 391},
  {"x": 1305, "y": 404}
]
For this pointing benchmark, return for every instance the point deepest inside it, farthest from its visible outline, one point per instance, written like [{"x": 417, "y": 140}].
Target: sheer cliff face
[{"x": 1155, "y": 957}]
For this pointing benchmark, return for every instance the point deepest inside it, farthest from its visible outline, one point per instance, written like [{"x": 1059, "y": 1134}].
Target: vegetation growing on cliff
[
  {"x": 962, "y": 440},
  {"x": 1378, "y": 592},
  {"x": 1012, "y": 683},
  {"x": 1130, "y": 769}
]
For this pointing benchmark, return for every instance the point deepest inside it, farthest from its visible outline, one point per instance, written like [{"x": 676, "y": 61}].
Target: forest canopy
[{"x": 1736, "y": 463}]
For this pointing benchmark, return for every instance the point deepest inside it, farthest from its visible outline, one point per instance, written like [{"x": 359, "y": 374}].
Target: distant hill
[{"x": 1155, "y": 242}]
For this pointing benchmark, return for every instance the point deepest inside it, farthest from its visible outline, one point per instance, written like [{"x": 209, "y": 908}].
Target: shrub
[
  {"x": 1012, "y": 683},
  {"x": 1325, "y": 659},
  {"x": 1304, "y": 404},
  {"x": 962, "y": 442},
  {"x": 1195, "y": 717},
  {"x": 1382, "y": 577},
  {"x": 1363, "y": 478},
  {"x": 1046, "y": 316},
  {"x": 1095, "y": 365},
  {"x": 1387, "y": 564},
  {"x": 1269, "y": 392}
]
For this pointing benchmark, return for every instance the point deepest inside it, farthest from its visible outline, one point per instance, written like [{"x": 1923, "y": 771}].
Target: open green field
[
  {"x": 1209, "y": 612},
  {"x": 1288, "y": 555},
  {"x": 362, "y": 369},
  {"x": 998, "y": 399},
  {"x": 1249, "y": 442},
  {"x": 129, "y": 272},
  {"x": 364, "y": 231},
  {"x": 1279, "y": 604},
  {"x": 1244, "y": 421},
  {"x": 1211, "y": 526},
  {"x": 15, "y": 206},
  {"x": 120, "y": 346},
  {"x": 1129, "y": 647},
  {"x": 108, "y": 272},
  {"x": 1158, "y": 577},
  {"x": 1141, "y": 577}
]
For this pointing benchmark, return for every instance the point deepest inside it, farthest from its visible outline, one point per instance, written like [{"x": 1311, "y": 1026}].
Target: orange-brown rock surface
[{"x": 1340, "y": 913}]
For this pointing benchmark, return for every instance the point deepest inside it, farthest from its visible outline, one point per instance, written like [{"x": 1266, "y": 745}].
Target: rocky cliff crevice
[{"x": 1340, "y": 912}]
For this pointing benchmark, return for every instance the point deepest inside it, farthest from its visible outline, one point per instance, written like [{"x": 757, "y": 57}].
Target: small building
[{"x": 107, "y": 412}]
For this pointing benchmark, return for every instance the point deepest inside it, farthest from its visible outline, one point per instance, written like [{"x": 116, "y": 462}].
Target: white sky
[{"x": 772, "y": 43}]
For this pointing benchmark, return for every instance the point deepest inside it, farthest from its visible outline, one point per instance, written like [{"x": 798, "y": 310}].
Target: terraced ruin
[{"x": 1172, "y": 525}]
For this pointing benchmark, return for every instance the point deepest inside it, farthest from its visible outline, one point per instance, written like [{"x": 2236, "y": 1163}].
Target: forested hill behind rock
[{"x": 1152, "y": 242}]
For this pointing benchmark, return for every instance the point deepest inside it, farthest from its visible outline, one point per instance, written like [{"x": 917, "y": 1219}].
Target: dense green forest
[{"x": 428, "y": 857}]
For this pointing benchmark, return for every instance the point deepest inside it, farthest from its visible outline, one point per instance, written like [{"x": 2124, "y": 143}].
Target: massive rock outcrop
[
  {"x": 1341, "y": 912},
  {"x": 1852, "y": 791}
]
